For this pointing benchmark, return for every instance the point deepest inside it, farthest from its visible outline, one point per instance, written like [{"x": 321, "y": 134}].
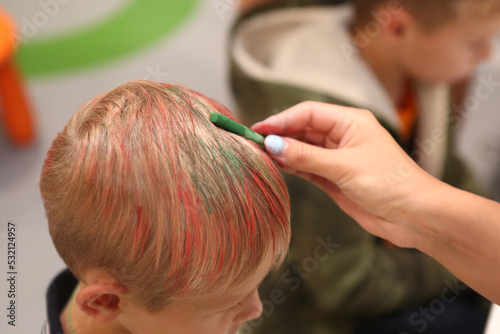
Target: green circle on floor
[{"x": 137, "y": 25}]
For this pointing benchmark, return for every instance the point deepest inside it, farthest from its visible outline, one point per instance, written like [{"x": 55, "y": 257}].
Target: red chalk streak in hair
[{"x": 141, "y": 184}]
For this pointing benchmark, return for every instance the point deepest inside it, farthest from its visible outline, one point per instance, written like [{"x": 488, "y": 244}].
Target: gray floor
[{"x": 194, "y": 57}]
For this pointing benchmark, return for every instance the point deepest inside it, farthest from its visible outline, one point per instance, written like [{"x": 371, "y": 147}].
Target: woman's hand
[{"x": 349, "y": 155}]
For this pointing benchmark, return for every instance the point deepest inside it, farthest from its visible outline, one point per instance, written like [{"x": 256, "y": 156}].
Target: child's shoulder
[{"x": 58, "y": 294}]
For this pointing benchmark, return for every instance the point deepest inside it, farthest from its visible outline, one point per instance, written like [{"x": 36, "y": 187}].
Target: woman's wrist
[
  {"x": 439, "y": 215},
  {"x": 428, "y": 220},
  {"x": 420, "y": 209}
]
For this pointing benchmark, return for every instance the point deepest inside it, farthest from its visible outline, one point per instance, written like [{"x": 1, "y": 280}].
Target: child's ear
[
  {"x": 101, "y": 301},
  {"x": 398, "y": 25}
]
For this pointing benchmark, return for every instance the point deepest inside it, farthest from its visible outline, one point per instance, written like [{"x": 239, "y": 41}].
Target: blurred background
[{"x": 71, "y": 50}]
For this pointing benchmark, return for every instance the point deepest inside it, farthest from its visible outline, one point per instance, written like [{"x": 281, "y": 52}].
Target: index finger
[{"x": 332, "y": 120}]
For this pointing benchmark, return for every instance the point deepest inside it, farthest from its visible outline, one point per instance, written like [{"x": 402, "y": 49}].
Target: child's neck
[{"x": 387, "y": 69}]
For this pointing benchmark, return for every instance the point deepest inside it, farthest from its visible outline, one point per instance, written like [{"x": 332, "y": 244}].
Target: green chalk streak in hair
[
  {"x": 206, "y": 149},
  {"x": 213, "y": 161},
  {"x": 238, "y": 164},
  {"x": 234, "y": 162},
  {"x": 234, "y": 127},
  {"x": 198, "y": 184}
]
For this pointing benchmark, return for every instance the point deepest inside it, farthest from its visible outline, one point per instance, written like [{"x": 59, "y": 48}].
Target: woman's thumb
[{"x": 303, "y": 157}]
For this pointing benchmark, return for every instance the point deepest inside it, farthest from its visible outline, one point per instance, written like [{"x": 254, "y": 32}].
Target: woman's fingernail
[{"x": 274, "y": 144}]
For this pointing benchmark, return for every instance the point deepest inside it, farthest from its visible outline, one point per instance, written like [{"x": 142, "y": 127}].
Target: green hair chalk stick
[{"x": 229, "y": 125}]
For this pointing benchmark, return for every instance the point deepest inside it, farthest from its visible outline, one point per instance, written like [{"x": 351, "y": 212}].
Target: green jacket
[{"x": 336, "y": 273}]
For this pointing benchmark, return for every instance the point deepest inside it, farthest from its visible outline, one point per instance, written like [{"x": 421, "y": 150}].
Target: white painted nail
[{"x": 274, "y": 144}]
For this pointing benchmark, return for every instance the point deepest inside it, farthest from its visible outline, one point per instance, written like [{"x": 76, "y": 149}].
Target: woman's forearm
[{"x": 462, "y": 231}]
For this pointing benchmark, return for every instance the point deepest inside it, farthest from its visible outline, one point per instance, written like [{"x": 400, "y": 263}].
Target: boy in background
[
  {"x": 403, "y": 60},
  {"x": 167, "y": 223}
]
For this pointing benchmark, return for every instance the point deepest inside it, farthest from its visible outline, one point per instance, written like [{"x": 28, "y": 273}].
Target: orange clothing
[{"x": 408, "y": 112}]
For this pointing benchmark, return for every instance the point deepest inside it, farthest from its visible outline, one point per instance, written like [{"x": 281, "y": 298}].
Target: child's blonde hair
[
  {"x": 430, "y": 14},
  {"x": 140, "y": 184}
]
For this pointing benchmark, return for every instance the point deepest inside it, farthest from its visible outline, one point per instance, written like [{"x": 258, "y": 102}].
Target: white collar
[{"x": 312, "y": 48}]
